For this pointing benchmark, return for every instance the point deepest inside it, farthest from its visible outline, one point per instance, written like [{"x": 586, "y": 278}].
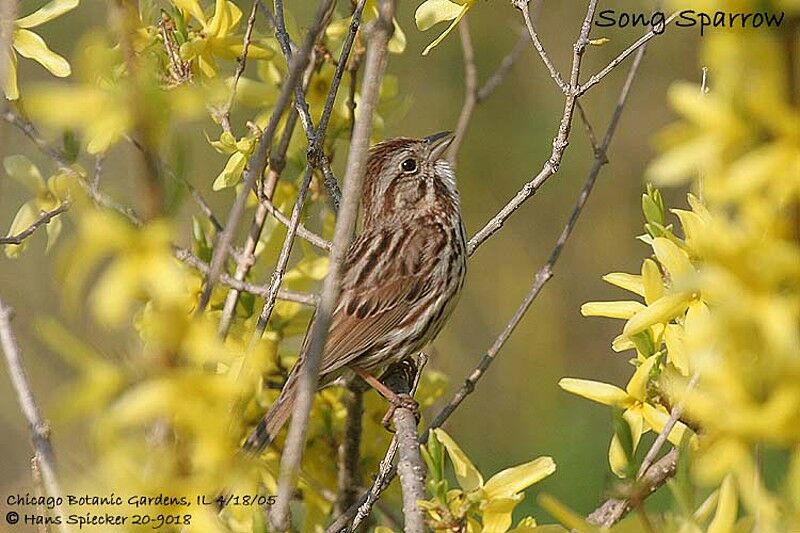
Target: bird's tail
[{"x": 272, "y": 422}]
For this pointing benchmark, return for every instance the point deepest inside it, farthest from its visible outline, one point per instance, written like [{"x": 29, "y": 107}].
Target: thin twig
[
  {"x": 613, "y": 510},
  {"x": 503, "y": 69},
  {"x": 258, "y": 161},
  {"x": 587, "y": 126},
  {"x": 44, "y": 218},
  {"x": 595, "y": 79},
  {"x": 30, "y": 131},
  {"x": 470, "y": 91},
  {"x": 225, "y": 113},
  {"x": 316, "y": 136},
  {"x": 663, "y": 435},
  {"x": 201, "y": 266},
  {"x": 345, "y": 223},
  {"x": 265, "y": 192},
  {"x": 313, "y": 238},
  {"x": 39, "y": 429},
  {"x": 546, "y": 272},
  {"x": 283, "y": 258}
]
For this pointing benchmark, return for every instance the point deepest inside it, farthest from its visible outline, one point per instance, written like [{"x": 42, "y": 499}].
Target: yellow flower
[
  {"x": 48, "y": 194},
  {"x": 497, "y": 497},
  {"x": 216, "y": 37},
  {"x": 640, "y": 415},
  {"x": 29, "y": 44}
]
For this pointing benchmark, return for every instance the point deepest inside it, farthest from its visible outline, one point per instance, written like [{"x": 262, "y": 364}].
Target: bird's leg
[{"x": 402, "y": 400}]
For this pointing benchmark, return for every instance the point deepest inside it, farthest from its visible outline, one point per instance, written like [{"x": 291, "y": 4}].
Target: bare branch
[
  {"x": 345, "y": 223},
  {"x": 560, "y": 141},
  {"x": 39, "y": 430},
  {"x": 522, "y": 5},
  {"x": 44, "y": 218},
  {"x": 347, "y": 475},
  {"x": 258, "y": 161},
  {"x": 546, "y": 272},
  {"x": 316, "y": 137}
]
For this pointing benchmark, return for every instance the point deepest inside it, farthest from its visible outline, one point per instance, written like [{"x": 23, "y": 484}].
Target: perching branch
[
  {"x": 39, "y": 430},
  {"x": 44, "y": 218},
  {"x": 345, "y": 223},
  {"x": 410, "y": 465}
]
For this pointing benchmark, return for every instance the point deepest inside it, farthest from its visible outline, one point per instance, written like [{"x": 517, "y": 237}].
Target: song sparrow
[{"x": 401, "y": 276}]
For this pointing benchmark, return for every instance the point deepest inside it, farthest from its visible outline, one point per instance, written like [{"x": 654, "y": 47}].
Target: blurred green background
[{"x": 517, "y": 411}]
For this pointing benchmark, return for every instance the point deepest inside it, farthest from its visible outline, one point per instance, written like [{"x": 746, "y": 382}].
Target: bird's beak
[{"x": 438, "y": 143}]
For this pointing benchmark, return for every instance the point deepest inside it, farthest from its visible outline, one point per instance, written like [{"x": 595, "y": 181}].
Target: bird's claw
[{"x": 403, "y": 401}]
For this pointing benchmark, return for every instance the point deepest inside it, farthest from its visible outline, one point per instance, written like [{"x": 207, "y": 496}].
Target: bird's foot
[{"x": 400, "y": 401}]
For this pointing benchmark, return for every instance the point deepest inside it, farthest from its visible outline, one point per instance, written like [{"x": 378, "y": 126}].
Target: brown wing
[{"x": 385, "y": 277}]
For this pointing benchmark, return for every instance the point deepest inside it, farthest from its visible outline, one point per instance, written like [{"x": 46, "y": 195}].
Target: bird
[{"x": 401, "y": 276}]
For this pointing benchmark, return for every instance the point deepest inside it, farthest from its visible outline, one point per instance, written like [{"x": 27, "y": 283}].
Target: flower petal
[
  {"x": 30, "y": 45},
  {"x": 623, "y": 309},
  {"x": 675, "y": 260},
  {"x": 433, "y": 12},
  {"x": 444, "y": 34},
  {"x": 660, "y": 312},
  {"x": 24, "y": 171},
  {"x": 629, "y": 282},
  {"x": 497, "y": 514},
  {"x": 727, "y": 508},
  {"x": 26, "y": 216},
  {"x": 510, "y": 481},
  {"x": 468, "y": 476},
  {"x": 10, "y": 83},
  {"x": 652, "y": 281},
  {"x": 54, "y": 9},
  {"x": 637, "y": 386},
  {"x": 596, "y": 391}
]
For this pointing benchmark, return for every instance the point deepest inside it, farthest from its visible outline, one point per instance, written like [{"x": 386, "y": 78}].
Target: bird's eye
[{"x": 409, "y": 165}]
